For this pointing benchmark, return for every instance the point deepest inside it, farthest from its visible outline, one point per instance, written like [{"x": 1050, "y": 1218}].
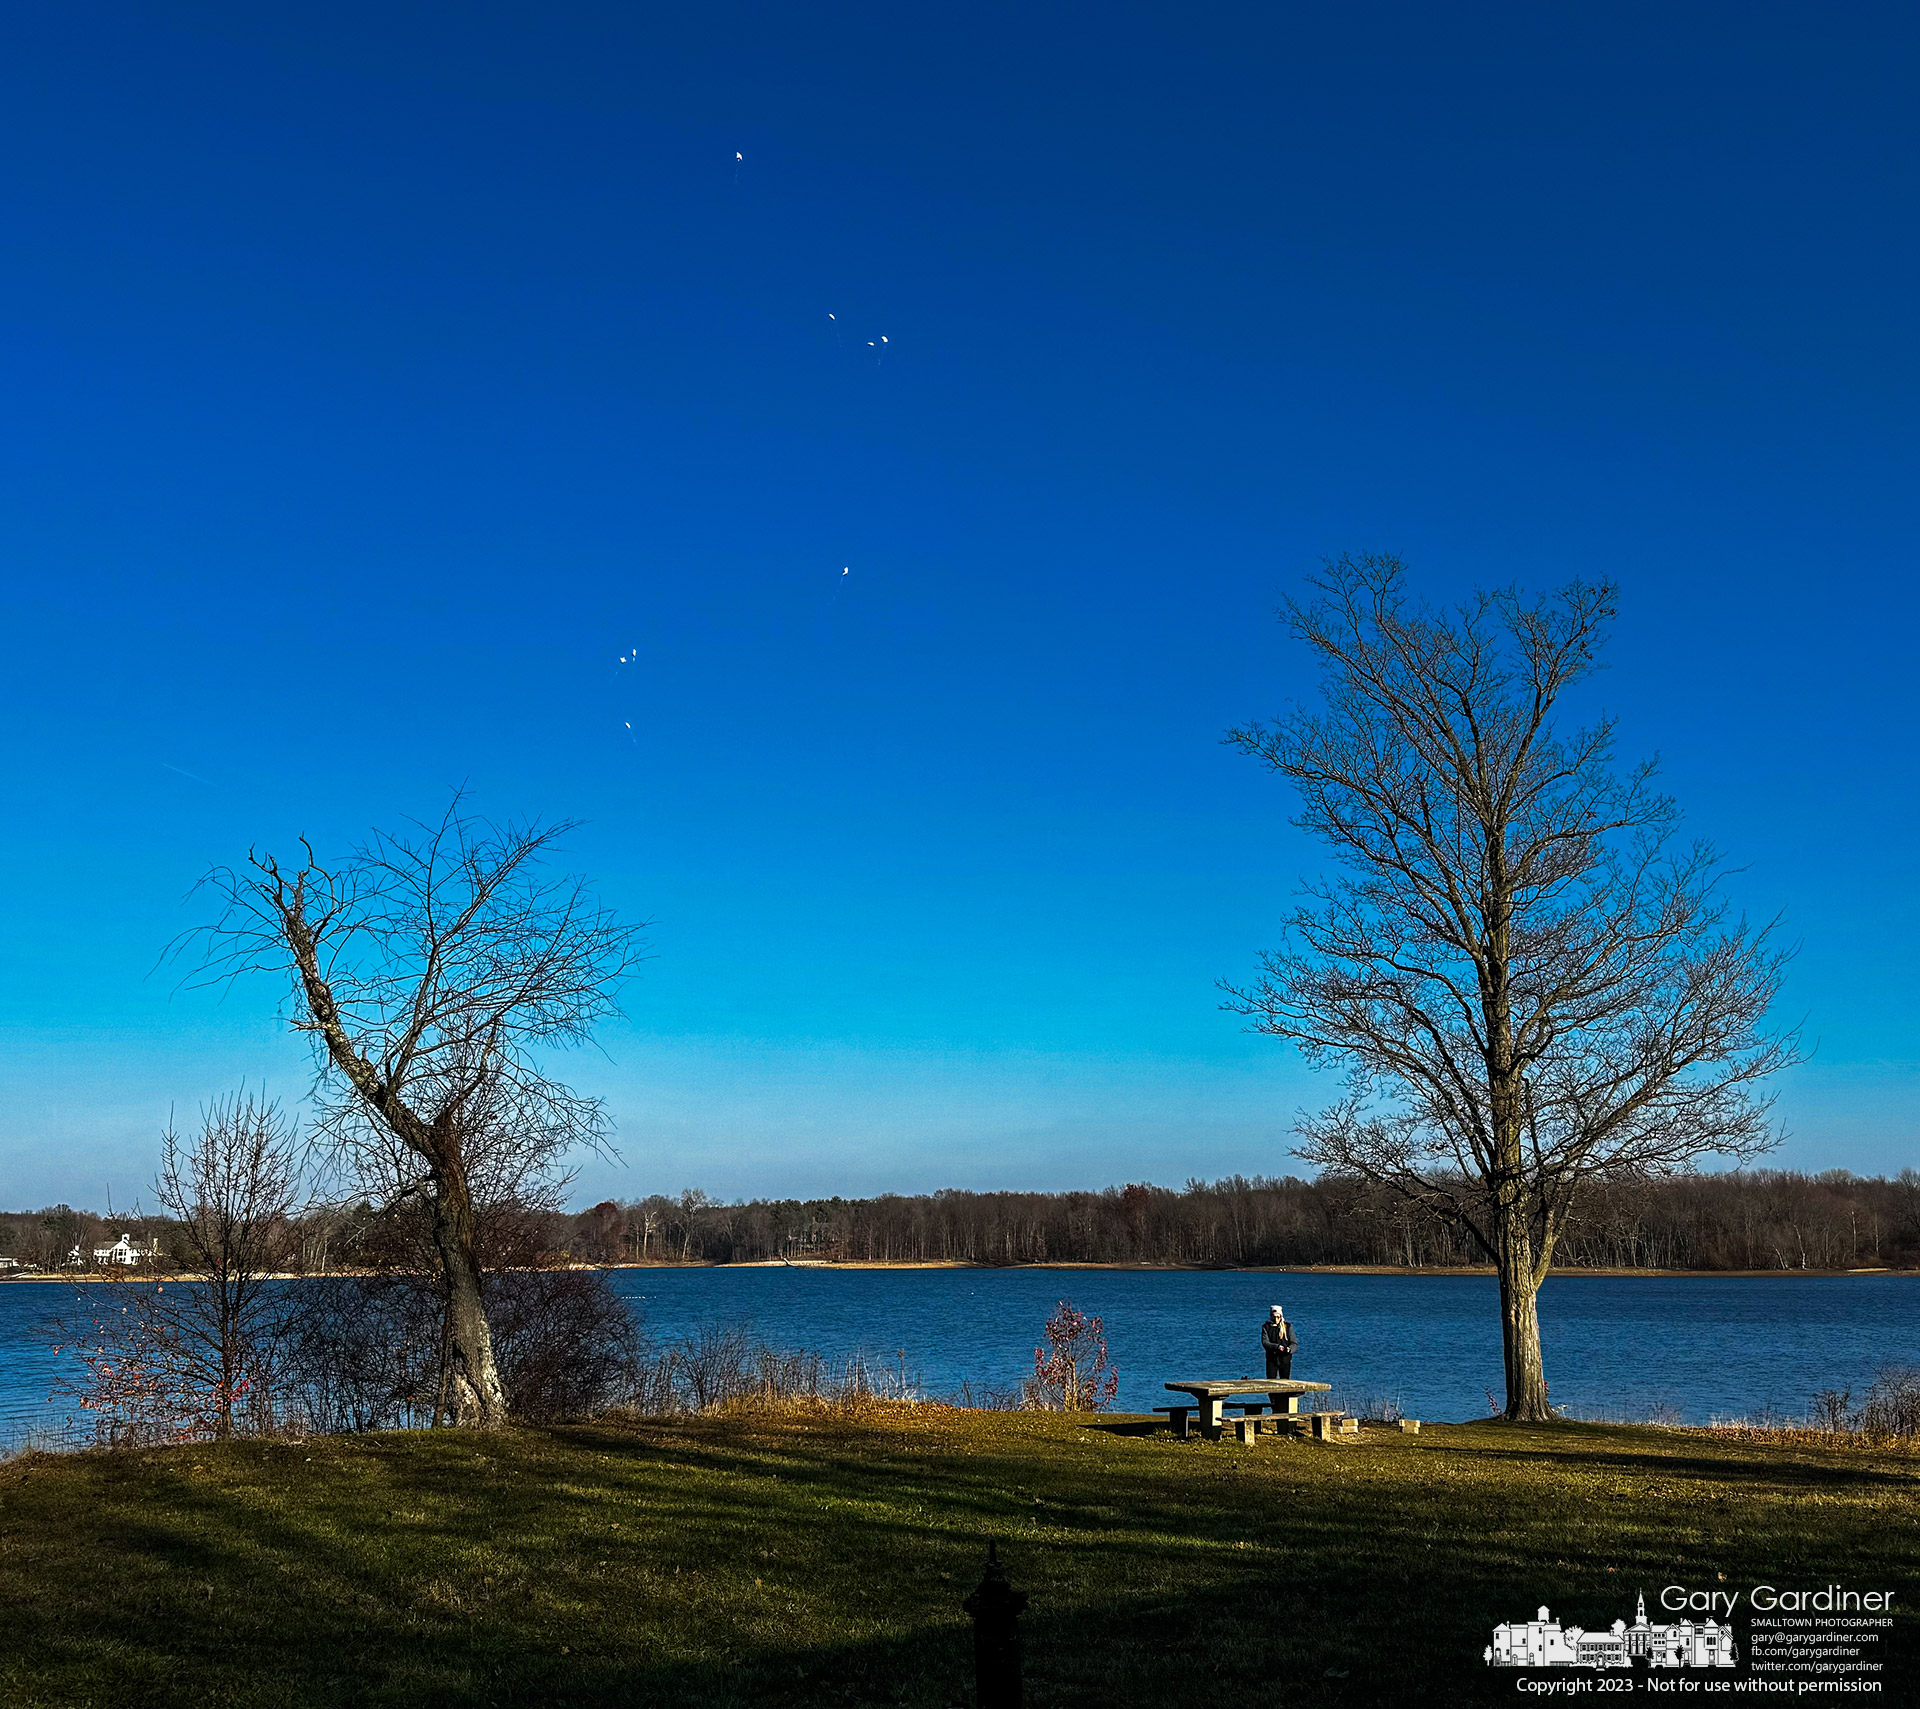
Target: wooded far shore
[
  {"x": 1745, "y": 1221},
  {"x": 99, "y": 1273}
]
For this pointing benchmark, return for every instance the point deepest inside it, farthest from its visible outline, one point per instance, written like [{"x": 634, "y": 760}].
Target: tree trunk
[
  {"x": 477, "y": 1398},
  {"x": 1513, "y": 1228},
  {"x": 1520, "y": 1317},
  {"x": 229, "y": 1364}
]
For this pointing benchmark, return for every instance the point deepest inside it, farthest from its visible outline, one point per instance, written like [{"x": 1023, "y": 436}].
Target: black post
[{"x": 996, "y": 1607}]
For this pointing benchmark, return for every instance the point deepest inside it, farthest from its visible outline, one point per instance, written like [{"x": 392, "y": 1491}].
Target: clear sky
[{"x": 376, "y": 377}]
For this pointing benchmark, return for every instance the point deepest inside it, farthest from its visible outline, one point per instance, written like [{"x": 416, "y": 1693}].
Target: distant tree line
[
  {"x": 1754, "y": 1219},
  {"x": 1763, "y": 1219}
]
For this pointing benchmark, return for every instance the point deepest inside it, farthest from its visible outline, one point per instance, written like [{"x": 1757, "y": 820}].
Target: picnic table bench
[{"x": 1280, "y": 1394}]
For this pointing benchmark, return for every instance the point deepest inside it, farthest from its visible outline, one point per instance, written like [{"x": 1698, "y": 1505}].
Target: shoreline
[
  {"x": 105, "y": 1278},
  {"x": 1242, "y": 1269}
]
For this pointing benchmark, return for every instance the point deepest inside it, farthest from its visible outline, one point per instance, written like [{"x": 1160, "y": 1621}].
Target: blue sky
[{"x": 377, "y": 378}]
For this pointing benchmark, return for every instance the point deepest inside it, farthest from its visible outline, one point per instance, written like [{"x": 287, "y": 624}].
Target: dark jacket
[{"x": 1278, "y": 1337}]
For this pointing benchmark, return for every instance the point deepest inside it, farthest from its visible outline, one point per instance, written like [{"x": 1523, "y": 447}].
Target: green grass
[{"x": 798, "y": 1558}]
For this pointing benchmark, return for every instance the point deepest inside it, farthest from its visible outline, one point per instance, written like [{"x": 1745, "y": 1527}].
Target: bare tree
[
  {"x": 432, "y": 969},
  {"x": 195, "y": 1356},
  {"x": 1529, "y": 980},
  {"x": 233, "y": 1191}
]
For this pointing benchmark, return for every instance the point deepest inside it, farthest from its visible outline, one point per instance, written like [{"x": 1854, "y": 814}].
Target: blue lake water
[{"x": 1705, "y": 1347}]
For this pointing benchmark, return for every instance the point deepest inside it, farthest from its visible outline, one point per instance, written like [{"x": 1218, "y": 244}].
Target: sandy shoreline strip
[{"x": 108, "y": 1278}]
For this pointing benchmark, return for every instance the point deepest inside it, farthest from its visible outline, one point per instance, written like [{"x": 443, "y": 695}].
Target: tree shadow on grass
[
  {"x": 739, "y": 1561},
  {"x": 1745, "y": 1466},
  {"x": 1247, "y": 1631}
]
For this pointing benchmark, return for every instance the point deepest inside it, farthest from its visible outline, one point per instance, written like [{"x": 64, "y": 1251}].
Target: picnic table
[{"x": 1211, "y": 1393}]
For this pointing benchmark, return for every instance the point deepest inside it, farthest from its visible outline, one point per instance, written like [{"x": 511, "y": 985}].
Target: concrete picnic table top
[{"x": 1209, "y": 1392}]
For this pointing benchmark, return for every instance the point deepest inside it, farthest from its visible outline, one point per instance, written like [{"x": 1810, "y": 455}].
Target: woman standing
[{"x": 1279, "y": 1341}]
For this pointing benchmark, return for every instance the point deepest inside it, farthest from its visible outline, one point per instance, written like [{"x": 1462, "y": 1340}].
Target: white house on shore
[{"x": 122, "y": 1251}]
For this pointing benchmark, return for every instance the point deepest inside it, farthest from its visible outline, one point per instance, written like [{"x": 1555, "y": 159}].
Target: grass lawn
[{"x": 795, "y": 1558}]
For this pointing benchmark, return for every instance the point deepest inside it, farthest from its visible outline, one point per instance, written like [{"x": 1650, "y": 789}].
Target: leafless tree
[
  {"x": 432, "y": 969},
  {"x": 1528, "y": 978},
  {"x": 193, "y": 1356},
  {"x": 233, "y": 1191}
]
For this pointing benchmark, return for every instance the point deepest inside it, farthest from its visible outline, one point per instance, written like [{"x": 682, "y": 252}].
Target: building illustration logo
[{"x": 1543, "y": 1642}]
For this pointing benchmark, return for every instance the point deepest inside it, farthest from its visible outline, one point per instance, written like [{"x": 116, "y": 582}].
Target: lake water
[{"x": 1703, "y": 1346}]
